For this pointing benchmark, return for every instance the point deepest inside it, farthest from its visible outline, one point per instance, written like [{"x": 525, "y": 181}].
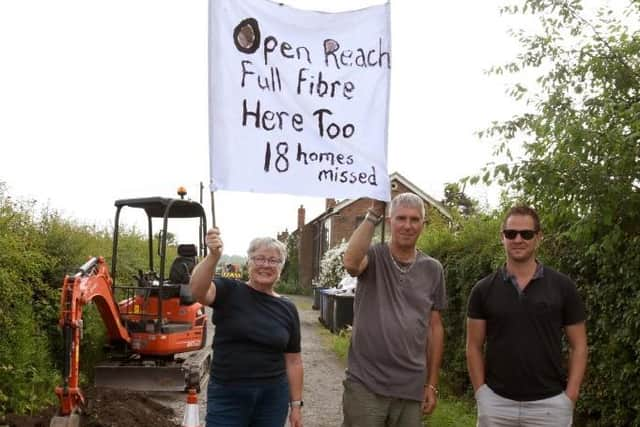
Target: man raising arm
[{"x": 397, "y": 335}]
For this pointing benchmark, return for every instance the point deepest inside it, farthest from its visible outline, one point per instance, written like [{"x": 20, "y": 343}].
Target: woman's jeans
[{"x": 247, "y": 405}]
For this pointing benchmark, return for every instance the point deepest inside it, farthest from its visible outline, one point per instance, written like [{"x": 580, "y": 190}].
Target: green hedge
[
  {"x": 607, "y": 271},
  {"x": 469, "y": 252},
  {"x": 605, "y": 264},
  {"x": 37, "y": 251},
  {"x": 26, "y": 365}
]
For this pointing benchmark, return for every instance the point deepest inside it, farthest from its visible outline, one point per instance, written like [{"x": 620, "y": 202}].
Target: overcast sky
[{"x": 101, "y": 100}]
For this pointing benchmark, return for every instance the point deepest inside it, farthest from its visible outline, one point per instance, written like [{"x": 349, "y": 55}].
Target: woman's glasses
[
  {"x": 271, "y": 262},
  {"x": 525, "y": 234}
]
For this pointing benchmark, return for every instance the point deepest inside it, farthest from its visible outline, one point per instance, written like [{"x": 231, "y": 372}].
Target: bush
[
  {"x": 578, "y": 163},
  {"x": 291, "y": 288},
  {"x": 36, "y": 254},
  {"x": 467, "y": 253},
  {"x": 331, "y": 268},
  {"x": 26, "y": 371},
  {"x": 290, "y": 270}
]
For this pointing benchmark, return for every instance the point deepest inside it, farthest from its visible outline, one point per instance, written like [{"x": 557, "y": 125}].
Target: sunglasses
[{"x": 525, "y": 234}]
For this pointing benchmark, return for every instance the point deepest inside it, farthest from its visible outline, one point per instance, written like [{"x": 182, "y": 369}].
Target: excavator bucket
[
  {"x": 189, "y": 370},
  {"x": 72, "y": 420},
  {"x": 139, "y": 377}
]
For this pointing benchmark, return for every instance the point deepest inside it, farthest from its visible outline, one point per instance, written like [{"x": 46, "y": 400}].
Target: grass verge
[
  {"x": 302, "y": 302},
  {"x": 452, "y": 412}
]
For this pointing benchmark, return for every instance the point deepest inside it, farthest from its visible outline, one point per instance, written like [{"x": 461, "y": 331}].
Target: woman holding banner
[{"x": 256, "y": 374}]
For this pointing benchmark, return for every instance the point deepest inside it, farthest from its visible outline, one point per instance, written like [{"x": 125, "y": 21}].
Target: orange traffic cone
[{"x": 191, "y": 411}]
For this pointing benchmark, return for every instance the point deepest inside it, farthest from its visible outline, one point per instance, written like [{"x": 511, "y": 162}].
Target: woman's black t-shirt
[{"x": 253, "y": 331}]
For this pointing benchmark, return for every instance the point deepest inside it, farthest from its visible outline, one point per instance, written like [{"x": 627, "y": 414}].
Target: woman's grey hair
[
  {"x": 408, "y": 200},
  {"x": 268, "y": 243}
]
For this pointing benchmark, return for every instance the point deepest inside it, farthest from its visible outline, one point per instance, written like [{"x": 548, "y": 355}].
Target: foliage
[
  {"x": 452, "y": 412},
  {"x": 291, "y": 288},
  {"x": 65, "y": 245},
  {"x": 133, "y": 256},
  {"x": 457, "y": 201},
  {"x": 36, "y": 254},
  {"x": 581, "y": 169},
  {"x": 25, "y": 363},
  {"x": 468, "y": 252},
  {"x": 339, "y": 343},
  {"x": 331, "y": 268},
  {"x": 291, "y": 270}
]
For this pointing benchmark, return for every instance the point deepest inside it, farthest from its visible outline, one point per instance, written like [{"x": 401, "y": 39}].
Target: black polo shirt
[{"x": 524, "y": 331}]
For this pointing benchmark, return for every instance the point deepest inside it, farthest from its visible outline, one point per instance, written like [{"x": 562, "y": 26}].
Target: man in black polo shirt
[{"x": 520, "y": 312}]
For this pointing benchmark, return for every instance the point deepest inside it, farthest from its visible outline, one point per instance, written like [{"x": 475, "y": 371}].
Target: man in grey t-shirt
[{"x": 398, "y": 336}]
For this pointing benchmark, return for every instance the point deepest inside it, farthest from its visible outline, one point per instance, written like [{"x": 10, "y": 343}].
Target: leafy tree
[
  {"x": 172, "y": 240},
  {"x": 291, "y": 270},
  {"x": 456, "y": 200},
  {"x": 581, "y": 169}
]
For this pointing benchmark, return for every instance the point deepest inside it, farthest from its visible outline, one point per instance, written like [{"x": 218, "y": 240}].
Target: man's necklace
[{"x": 403, "y": 269}]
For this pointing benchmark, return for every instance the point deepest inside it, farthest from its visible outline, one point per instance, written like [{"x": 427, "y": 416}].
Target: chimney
[
  {"x": 329, "y": 204},
  {"x": 301, "y": 217},
  {"x": 282, "y": 237}
]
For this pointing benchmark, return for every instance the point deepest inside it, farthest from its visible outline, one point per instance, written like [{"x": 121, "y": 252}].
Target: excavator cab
[
  {"x": 152, "y": 309},
  {"x": 157, "y": 332},
  {"x": 162, "y": 318}
]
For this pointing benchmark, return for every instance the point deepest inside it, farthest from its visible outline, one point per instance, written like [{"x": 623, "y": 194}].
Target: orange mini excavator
[{"x": 157, "y": 333}]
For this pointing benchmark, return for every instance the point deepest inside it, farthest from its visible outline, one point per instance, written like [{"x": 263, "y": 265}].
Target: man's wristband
[
  {"x": 432, "y": 387},
  {"x": 298, "y": 403},
  {"x": 372, "y": 217}
]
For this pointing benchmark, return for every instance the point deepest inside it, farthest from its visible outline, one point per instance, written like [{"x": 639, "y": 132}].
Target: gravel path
[{"x": 323, "y": 371}]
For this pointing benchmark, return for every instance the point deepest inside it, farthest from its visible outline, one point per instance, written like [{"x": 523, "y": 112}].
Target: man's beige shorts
[{"x": 497, "y": 411}]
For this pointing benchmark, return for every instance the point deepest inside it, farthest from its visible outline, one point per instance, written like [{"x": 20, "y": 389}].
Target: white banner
[{"x": 298, "y": 99}]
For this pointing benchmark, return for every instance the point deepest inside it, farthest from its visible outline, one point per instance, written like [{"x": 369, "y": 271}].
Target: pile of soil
[
  {"x": 107, "y": 408},
  {"x": 116, "y": 408}
]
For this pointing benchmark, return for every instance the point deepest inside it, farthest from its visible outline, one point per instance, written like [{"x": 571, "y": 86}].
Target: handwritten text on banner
[{"x": 299, "y": 99}]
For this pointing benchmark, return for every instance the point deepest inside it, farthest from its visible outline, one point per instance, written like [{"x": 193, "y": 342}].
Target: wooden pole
[
  {"x": 213, "y": 211},
  {"x": 384, "y": 221}
]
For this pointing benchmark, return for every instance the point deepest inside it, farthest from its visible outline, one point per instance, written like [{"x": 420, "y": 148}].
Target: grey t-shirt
[{"x": 392, "y": 311}]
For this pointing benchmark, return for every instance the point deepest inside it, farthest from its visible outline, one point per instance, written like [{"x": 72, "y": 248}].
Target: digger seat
[
  {"x": 183, "y": 264},
  {"x": 180, "y": 272}
]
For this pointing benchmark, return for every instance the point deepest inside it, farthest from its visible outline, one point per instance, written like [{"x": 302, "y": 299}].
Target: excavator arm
[{"x": 91, "y": 283}]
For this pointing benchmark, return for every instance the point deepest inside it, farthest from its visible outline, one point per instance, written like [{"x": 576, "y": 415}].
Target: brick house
[{"x": 338, "y": 222}]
